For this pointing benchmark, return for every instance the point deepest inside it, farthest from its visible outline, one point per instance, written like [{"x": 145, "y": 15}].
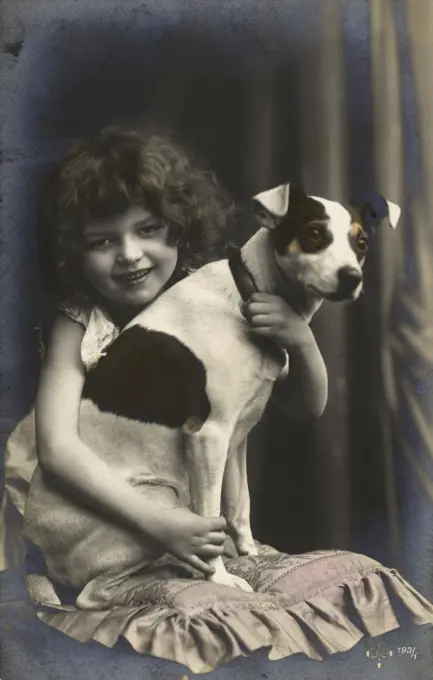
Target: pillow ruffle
[{"x": 317, "y": 604}]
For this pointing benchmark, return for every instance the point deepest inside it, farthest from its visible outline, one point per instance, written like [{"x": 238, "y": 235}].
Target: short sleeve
[
  {"x": 100, "y": 331},
  {"x": 76, "y": 313}
]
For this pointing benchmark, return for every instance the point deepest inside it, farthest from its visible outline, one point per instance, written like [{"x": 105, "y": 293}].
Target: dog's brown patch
[
  {"x": 359, "y": 239},
  {"x": 356, "y": 229},
  {"x": 293, "y": 248}
]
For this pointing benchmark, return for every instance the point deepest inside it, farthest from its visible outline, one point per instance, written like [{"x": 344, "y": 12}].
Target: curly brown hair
[{"x": 103, "y": 177}]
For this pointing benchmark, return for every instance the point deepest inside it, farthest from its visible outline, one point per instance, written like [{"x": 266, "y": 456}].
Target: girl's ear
[{"x": 272, "y": 205}]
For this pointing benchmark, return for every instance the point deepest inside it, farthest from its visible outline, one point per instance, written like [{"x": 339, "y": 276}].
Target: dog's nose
[{"x": 349, "y": 279}]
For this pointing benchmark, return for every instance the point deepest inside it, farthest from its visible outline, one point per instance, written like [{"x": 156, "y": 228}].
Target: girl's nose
[{"x": 130, "y": 250}]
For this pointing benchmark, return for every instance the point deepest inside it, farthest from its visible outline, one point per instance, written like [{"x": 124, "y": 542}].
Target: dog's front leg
[
  {"x": 207, "y": 456},
  {"x": 236, "y": 500}
]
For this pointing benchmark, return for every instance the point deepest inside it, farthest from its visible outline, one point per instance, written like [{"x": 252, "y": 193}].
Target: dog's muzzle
[{"x": 349, "y": 279}]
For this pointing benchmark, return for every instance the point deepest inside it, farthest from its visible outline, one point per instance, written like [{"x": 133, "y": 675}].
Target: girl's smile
[
  {"x": 133, "y": 277},
  {"x": 127, "y": 258}
]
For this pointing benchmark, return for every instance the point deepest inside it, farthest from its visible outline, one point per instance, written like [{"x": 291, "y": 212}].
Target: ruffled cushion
[{"x": 317, "y": 603}]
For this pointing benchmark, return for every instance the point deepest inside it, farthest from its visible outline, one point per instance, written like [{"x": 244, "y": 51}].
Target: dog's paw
[
  {"x": 243, "y": 539},
  {"x": 246, "y": 547},
  {"x": 226, "y": 579}
]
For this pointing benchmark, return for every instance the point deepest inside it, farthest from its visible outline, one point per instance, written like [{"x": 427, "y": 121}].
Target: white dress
[{"x": 20, "y": 453}]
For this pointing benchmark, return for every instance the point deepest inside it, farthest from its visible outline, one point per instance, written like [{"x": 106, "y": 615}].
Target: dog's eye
[
  {"x": 315, "y": 233},
  {"x": 362, "y": 243}
]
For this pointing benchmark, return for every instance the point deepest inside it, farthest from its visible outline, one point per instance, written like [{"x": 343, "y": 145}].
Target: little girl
[{"x": 126, "y": 215}]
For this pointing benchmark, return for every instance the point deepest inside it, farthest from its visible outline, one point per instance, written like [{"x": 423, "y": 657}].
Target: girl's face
[{"x": 127, "y": 259}]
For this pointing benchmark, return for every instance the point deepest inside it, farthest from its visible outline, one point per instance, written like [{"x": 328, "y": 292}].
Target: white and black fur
[{"x": 178, "y": 392}]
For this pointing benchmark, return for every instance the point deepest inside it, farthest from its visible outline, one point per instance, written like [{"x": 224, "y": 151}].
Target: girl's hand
[
  {"x": 190, "y": 537},
  {"x": 272, "y": 317}
]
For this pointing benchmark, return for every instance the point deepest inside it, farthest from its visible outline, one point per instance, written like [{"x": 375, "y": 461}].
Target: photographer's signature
[{"x": 380, "y": 652}]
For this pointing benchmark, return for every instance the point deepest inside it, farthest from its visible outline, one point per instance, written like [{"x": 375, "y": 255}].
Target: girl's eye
[
  {"x": 150, "y": 228},
  {"x": 100, "y": 243}
]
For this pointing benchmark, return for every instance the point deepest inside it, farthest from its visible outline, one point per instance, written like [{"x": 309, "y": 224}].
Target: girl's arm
[
  {"x": 304, "y": 393},
  {"x": 63, "y": 453}
]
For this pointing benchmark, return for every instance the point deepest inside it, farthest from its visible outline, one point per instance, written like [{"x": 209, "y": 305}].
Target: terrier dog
[{"x": 177, "y": 393}]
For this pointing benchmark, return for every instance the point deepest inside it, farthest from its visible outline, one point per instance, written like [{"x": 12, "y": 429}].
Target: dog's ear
[
  {"x": 271, "y": 206},
  {"x": 394, "y": 212},
  {"x": 376, "y": 209}
]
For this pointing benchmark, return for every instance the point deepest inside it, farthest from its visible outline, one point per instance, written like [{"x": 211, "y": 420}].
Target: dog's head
[{"x": 319, "y": 243}]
